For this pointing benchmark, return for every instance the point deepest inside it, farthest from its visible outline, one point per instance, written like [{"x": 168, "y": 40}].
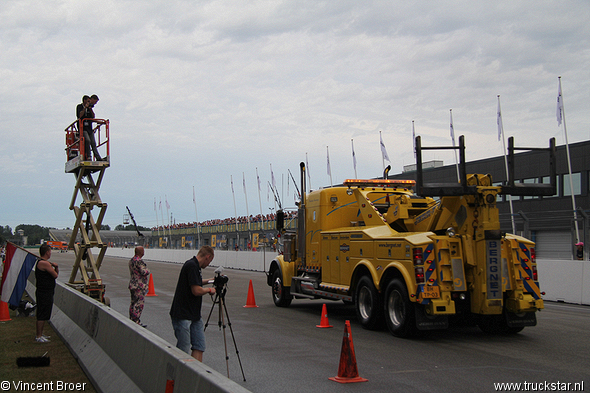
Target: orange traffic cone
[
  {"x": 4, "y": 313},
  {"x": 347, "y": 371},
  {"x": 151, "y": 290},
  {"x": 324, "y": 321},
  {"x": 251, "y": 301}
]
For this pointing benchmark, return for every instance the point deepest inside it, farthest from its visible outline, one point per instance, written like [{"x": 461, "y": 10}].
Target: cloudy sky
[{"x": 199, "y": 92}]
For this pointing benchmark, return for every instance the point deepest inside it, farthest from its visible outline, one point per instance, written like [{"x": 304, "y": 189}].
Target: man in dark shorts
[
  {"x": 186, "y": 305},
  {"x": 45, "y": 274}
]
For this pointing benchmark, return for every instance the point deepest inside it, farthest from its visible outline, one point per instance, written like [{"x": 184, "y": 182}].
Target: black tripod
[{"x": 220, "y": 290}]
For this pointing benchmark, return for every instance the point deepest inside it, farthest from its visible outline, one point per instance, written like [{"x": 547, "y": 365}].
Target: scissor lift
[{"x": 83, "y": 168}]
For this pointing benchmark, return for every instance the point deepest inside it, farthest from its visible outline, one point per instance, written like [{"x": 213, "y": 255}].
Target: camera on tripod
[{"x": 220, "y": 280}]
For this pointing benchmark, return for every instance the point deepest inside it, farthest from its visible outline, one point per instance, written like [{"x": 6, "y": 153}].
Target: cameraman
[{"x": 186, "y": 305}]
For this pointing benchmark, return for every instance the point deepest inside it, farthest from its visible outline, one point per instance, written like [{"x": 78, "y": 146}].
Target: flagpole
[
  {"x": 273, "y": 185},
  {"x": 307, "y": 170},
  {"x": 354, "y": 159},
  {"x": 328, "y": 164},
  {"x": 560, "y": 118},
  {"x": 168, "y": 214},
  {"x": 454, "y": 149},
  {"x": 501, "y": 131},
  {"x": 156, "y": 210},
  {"x": 235, "y": 210},
  {"x": 260, "y": 199},
  {"x": 163, "y": 229},
  {"x": 246, "y": 197},
  {"x": 197, "y": 218},
  {"x": 414, "y": 138}
]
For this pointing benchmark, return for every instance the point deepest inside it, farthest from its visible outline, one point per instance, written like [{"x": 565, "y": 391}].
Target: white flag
[
  {"x": 272, "y": 178},
  {"x": 499, "y": 121},
  {"x": 559, "y": 104},
  {"x": 167, "y": 205},
  {"x": 383, "y": 151},
  {"x": 232, "y": 183},
  {"x": 258, "y": 179},
  {"x": 155, "y": 205},
  {"x": 353, "y": 155},
  {"x": 452, "y": 128},
  {"x": 244, "y": 181}
]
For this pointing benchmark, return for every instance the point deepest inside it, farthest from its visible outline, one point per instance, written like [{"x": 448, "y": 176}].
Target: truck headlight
[{"x": 451, "y": 232}]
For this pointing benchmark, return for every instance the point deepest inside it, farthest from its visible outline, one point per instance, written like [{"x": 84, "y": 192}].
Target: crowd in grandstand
[{"x": 231, "y": 220}]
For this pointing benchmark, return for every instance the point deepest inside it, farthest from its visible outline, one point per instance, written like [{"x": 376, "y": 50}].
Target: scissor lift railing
[{"x": 86, "y": 262}]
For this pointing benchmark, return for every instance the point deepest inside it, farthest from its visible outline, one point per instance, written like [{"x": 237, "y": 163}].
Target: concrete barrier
[
  {"x": 565, "y": 281},
  {"x": 120, "y": 356},
  {"x": 561, "y": 280}
]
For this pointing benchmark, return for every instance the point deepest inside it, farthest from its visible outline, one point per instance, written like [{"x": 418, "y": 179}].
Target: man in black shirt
[
  {"x": 186, "y": 305},
  {"x": 84, "y": 111},
  {"x": 45, "y": 274}
]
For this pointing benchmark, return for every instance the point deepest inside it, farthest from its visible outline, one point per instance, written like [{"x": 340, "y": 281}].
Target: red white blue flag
[{"x": 17, "y": 267}]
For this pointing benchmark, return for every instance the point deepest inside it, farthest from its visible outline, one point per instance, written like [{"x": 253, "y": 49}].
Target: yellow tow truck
[{"x": 412, "y": 255}]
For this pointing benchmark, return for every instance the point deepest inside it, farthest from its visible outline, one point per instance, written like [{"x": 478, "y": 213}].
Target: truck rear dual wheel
[
  {"x": 281, "y": 295},
  {"x": 400, "y": 313},
  {"x": 368, "y": 304}
]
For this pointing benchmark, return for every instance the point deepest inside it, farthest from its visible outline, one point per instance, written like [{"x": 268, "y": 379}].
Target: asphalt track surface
[{"x": 282, "y": 350}]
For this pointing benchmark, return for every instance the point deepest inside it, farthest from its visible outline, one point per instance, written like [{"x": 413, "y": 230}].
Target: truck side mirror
[{"x": 280, "y": 220}]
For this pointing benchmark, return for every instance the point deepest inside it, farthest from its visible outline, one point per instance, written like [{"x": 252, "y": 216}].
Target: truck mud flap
[
  {"x": 430, "y": 322},
  {"x": 520, "y": 320}
]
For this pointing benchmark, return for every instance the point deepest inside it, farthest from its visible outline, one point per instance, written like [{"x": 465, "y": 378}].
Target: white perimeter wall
[
  {"x": 565, "y": 281},
  {"x": 561, "y": 280},
  {"x": 246, "y": 260}
]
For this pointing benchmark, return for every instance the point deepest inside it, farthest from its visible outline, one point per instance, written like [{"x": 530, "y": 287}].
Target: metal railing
[{"x": 75, "y": 143}]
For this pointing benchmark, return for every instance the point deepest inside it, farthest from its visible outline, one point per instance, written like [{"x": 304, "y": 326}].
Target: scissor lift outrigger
[{"x": 83, "y": 167}]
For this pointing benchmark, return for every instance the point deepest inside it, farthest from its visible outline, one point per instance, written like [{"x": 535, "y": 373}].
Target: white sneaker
[{"x": 42, "y": 339}]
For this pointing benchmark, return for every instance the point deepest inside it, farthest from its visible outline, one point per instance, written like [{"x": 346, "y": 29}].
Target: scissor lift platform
[
  {"x": 73, "y": 165},
  {"x": 86, "y": 262}
]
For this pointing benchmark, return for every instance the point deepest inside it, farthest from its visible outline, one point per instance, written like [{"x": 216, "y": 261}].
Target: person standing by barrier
[
  {"x": 580, "y": 251},
  {"x": 138, "y": 284},
  {"x": 45, "y": 274},
  {"x": 185, "y": 312}
]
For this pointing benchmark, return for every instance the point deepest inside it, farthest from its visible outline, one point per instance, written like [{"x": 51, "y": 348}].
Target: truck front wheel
[
  {"x": 400, "y": 314},
  {"x": 368, "y": 305},
  {"x": 281, "y": 295}
]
